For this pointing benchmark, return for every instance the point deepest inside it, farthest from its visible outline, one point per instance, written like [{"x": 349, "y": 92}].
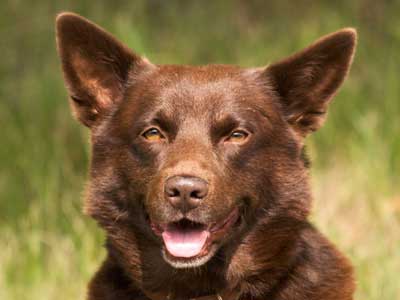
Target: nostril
[
  {"x": 176, "y": 193},
  {"x": 194, "y": 194},
  {"x": 173, "y": 192},
  {"x": 197, "y": 194}
]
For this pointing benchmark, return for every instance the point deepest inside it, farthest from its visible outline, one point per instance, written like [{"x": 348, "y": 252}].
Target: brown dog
[{"x": 198, "y": 174}]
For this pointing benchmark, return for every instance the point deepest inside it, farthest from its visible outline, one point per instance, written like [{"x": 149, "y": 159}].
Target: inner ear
[
  {"x": 306, "y": 81},
  {"x": 96, "y": 66}
]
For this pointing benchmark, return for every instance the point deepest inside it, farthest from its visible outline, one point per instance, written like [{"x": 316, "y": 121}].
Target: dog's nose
[{"x": 184, "y": 192}]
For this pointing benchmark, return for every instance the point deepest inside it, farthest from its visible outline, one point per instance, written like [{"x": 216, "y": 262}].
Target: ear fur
[
  {"x": 309, "y": 79},
  {"x": 96, "y": 66}
]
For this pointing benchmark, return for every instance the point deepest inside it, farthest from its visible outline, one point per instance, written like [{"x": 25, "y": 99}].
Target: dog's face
[
  {"x": 189, "y": 142},
  {"x": 190, "y": 158}
]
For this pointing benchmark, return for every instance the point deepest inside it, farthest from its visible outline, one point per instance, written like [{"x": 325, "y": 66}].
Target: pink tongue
[{"x": 184, "y": 243}]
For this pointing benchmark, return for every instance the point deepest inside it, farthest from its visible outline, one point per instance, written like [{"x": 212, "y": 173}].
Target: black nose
[{"x": 184, "y": 192}]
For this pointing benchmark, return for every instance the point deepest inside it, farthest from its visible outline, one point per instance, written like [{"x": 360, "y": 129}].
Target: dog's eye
[
  {"x": 153, "y": 135},
  {"x": 237, "y": 136}
]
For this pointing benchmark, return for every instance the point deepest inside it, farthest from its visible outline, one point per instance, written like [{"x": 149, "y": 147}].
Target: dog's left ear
[{"x": 308, "y": 80}]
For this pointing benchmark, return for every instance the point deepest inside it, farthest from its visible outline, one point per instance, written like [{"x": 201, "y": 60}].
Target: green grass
[{"x": 49, "y": 249}]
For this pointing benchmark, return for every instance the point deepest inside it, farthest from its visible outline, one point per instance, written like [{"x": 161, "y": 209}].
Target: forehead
[{"x": 186, "y": 91}]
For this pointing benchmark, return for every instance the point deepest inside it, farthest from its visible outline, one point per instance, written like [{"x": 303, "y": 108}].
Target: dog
[{"x": 198, "y": 174}]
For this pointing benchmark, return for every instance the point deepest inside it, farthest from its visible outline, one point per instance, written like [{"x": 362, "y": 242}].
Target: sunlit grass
[{"x": 364, "y": 221}]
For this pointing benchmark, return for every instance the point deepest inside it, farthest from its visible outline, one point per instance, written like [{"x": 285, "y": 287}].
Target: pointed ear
[
  {"x": 308, "y": 80},
  {"x": 96, "y": 66}
]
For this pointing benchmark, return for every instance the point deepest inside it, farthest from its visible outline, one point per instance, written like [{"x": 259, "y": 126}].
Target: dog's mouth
[{"x": 186, "y": 239}]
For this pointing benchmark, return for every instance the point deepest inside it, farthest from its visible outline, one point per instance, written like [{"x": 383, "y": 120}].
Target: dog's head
[{"x": 190, "y": 157}]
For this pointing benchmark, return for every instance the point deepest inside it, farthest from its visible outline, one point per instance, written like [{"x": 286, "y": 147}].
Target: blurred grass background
[{"x": 49, "y": 250}]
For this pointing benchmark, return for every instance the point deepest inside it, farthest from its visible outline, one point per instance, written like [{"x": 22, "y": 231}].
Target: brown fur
[{"x": 272, "y": 252}]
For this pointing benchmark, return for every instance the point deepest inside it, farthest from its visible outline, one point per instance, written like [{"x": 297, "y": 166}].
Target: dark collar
[{"x": 223, "y": 295}]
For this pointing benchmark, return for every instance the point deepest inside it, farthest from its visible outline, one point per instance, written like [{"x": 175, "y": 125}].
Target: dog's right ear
[{"x": 96, "y": 66}]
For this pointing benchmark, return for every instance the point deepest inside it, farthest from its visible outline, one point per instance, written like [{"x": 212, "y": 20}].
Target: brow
[
  {"x": 224, "y": 125},
  {"x": 259, "y": 111},
  {"x": 164, "y": 122}
]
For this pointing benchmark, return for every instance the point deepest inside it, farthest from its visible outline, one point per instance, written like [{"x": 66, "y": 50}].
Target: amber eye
[
  {"x": 153, "y": 135},
  {"x": 237, "y": 136}
]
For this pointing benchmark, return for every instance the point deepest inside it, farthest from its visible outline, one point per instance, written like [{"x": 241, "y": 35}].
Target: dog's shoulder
[
  {"x": 320, "y": 271},
  {"x": 110, "y": 282}
]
